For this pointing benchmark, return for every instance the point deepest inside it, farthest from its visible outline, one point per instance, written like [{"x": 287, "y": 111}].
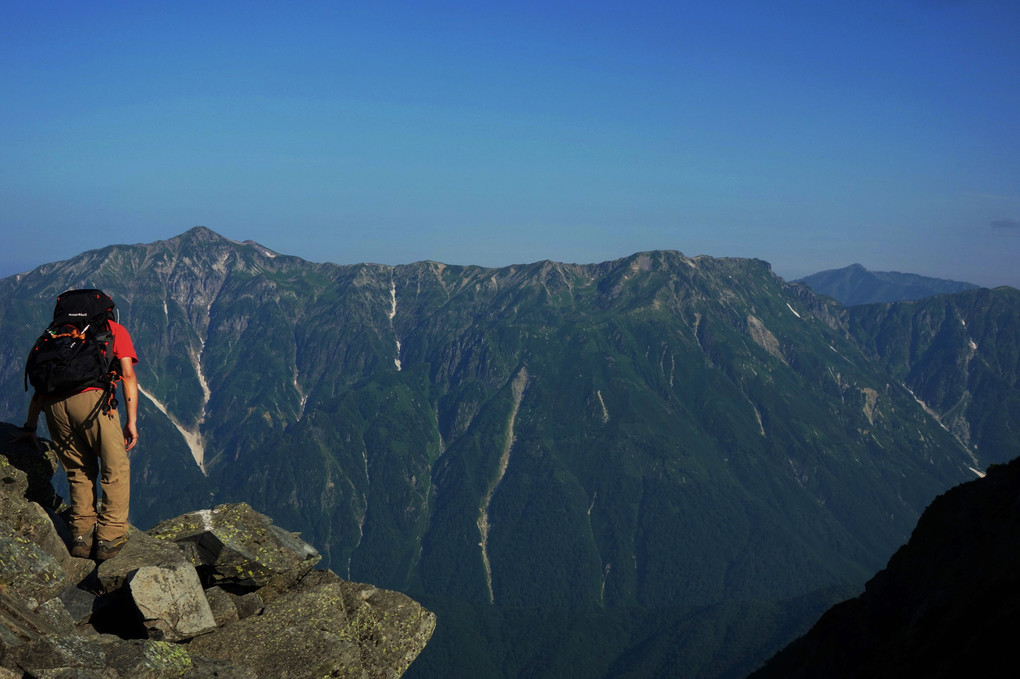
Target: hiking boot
[
  {"x": 107, "y": 549},
  {"x": 81, "y": 546}
]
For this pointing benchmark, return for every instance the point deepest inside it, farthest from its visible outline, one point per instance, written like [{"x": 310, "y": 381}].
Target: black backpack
[{"x": 76, "y": 350}]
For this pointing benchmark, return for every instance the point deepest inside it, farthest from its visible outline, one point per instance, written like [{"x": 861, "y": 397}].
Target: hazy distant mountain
[
  {"x": 856, "y": 285},
  {"x": 610, "y": 444},
  {"x": 945, "y": 606}
]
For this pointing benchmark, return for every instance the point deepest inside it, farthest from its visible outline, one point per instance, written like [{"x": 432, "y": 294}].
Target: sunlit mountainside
[{"x": 653, "y": 465}]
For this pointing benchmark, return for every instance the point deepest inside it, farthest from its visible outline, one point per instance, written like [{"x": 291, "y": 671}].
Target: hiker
[{"x": 75, "y": 366}]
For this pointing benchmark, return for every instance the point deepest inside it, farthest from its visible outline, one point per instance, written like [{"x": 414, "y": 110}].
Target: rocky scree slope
[{"x": 221, "y": 592}]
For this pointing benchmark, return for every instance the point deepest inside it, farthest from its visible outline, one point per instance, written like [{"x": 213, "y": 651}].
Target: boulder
[
  {"x": 235, "y": 545},
  {"x": 222, "y": 606},
  {"x": 79, "y": 602},
  {"x": 150, "y": 659},
  {"x": 36, "y": 467},
  {"x": 335, "y": 628},
  {"x": 228, "y": 606},
  {"x": 140, "y": 550},
  {"x": 56, "y": 614},
  {"x": 20, "y": 625},
  {"x": 171, "y": 601},
  {"x": 264, "y": 612},
  {"x": 33, "y": 556},
  {"x": 26, "y": 570},
  {"x": 57, "y": 652},
  {"x": 248, "y": 604}
]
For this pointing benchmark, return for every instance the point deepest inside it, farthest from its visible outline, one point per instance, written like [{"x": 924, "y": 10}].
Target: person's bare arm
[
  {"x": 31, "y": 422},
  {"x": 127, "y": 374}
]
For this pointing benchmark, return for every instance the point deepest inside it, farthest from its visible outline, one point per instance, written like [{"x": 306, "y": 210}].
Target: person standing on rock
[{"x": 75, "y": 366}]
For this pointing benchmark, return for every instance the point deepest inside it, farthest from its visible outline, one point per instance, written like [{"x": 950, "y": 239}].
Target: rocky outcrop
[{"x": 221, "y": 592}]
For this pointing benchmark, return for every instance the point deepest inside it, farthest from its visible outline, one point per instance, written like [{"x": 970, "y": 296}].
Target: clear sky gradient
[{"x": 811, "y": 134}]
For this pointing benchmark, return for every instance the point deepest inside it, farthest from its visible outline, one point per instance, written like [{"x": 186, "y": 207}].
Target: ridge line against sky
[{"x": 811, "y": 135}]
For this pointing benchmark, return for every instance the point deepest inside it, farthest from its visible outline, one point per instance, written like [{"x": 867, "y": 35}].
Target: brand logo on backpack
[{"x": 76, "y": 351}]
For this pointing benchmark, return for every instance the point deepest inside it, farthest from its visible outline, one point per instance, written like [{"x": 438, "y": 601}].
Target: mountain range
[{"x": 572, "y": 465}]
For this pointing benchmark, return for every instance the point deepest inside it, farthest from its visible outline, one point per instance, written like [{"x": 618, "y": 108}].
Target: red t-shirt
[{"x": 123, "y": 347}]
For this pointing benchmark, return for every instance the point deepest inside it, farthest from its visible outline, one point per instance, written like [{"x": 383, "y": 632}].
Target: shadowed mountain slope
[{"x": 946, "y": 604}]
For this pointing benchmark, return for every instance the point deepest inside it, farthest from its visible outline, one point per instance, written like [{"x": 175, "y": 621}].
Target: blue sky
[{"x": 809, "y": 134}]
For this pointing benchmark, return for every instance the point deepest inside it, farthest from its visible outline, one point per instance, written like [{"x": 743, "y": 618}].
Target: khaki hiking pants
[{"x": 89, "y": 441}]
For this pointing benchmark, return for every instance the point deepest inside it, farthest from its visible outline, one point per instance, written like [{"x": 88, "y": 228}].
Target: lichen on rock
[{"x": 272, "y": 615}]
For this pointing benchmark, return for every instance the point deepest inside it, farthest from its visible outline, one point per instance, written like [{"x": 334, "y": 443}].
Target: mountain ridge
[
  {"x": 854, "y": 285},
  {"x": 653, "y": 431}
]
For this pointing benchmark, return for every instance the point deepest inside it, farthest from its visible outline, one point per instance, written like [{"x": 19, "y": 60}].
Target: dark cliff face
[
  {"x": 946, "y": 604},
  {"x": 653, "y": 431}
]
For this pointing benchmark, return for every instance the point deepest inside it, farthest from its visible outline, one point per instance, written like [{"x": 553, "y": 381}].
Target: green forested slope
[
  {"x": 958, "y": 354},
  {"x": 653, "y": 433}
]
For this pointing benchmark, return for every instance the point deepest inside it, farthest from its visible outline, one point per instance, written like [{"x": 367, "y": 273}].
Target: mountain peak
[
  {"x": 854, "y": 285},
  {"x": 201, "y": 232}
]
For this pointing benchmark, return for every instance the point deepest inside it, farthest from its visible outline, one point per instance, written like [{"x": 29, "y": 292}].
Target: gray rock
[
  {"x": 171, "y": 601},
  {"x": 57, "y": 615},
  {"x": 206, "y": 668},
  {"x": 33, "y": 558},
  {"x": 234, "y": 544},
  {"x": 276, "y": 617},
  {"x": 35, "y": 469},
  {"x": 332, "y": 629},
  {"x": 28, "y": 503},
  {"x": 222, "y": 606},
  {"x": 316, "y": 578},
  {"x": 57, "y": 652},
  {"x": 140, "y": 550},
  {"x": 249, "y": 604},
  {"x": 227, "y": 606},
  {"x": 44, "y": 529},
  {"x": 26, "y": 571},
  {"x": 150, "y": 659},
  {"x": 73, "y": 673},
  {"x": 20, "y": 625},
  {"x": 78, "y": 602}
]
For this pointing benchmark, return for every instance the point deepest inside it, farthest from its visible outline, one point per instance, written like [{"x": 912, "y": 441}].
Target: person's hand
[
  {"x": 27, "y": 435},
  {"x": 130, "y": 435}
]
